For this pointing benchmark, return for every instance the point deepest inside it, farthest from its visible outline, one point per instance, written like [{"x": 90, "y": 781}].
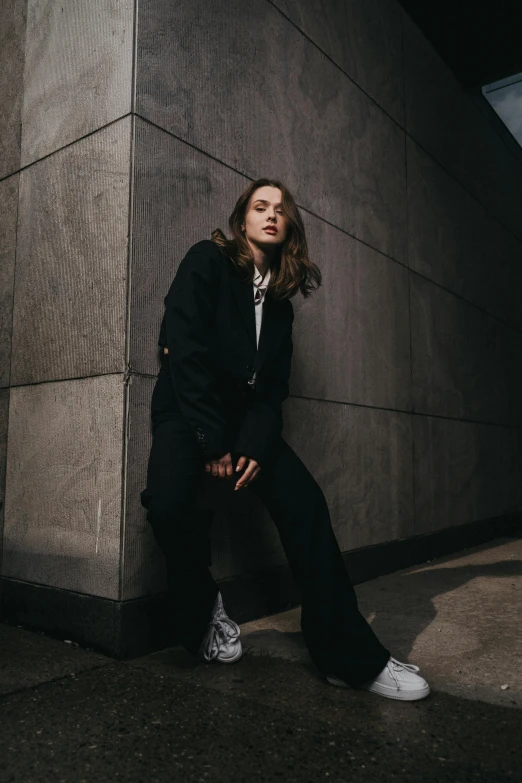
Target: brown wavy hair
[{"x": 291, "y": 269}]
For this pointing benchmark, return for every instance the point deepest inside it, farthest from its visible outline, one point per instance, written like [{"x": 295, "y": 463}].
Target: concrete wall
[
  {"x": 406, "y": 386},
  {"x": 66, "y": 146},
  {"x": 130, "y": 131}
]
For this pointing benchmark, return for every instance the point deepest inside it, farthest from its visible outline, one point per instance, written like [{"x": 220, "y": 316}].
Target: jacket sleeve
[
  {"x": 263, "y": 423},
  {"x": 189, "y": 310}
]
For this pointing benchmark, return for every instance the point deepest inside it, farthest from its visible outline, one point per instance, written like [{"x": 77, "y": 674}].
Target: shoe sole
[
  {"x": 230, "y": 660},
  {"x": 383, "y": 691}
]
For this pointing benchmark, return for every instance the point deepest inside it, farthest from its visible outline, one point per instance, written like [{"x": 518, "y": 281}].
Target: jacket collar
[{"x": 261, "y": 281}]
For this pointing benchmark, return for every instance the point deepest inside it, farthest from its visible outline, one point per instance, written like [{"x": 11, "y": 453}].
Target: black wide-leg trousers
[{"x": 339, "y": 639}]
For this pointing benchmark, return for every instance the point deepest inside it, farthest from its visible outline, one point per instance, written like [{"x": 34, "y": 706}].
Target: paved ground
[{"x": 68, "y": 714}]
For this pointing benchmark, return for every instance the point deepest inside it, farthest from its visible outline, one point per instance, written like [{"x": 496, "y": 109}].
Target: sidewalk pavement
[{"x": 69, "y": 714}]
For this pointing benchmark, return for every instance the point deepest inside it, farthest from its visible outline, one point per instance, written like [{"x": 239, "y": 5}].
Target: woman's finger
[
  {"x": 241, "y": 461},
  {"x": 247, "y": 475}
]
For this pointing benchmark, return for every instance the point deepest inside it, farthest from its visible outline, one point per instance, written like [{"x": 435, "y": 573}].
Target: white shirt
[{"x": 259, "y": 296}]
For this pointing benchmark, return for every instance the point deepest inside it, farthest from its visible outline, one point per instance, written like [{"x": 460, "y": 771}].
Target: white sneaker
[
  {"x": 396, "y": 681},
  {"x": 221, "y": 641}
]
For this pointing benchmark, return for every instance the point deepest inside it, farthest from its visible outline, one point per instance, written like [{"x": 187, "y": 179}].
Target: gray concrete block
[
  {"x": 78, "y": 71},
  {"x": 71, "y": 262},
  {"x": 4, "y": 416},
  {"x": 180, "y": 197},
  {"x": 464, "y": 472},
  {"x": 8, "y": 213},
  {"x": 456, "y": 242},
  {"x": 12, "y": 47},
  {"x": 352, "y": 338},
  {"x": 63, "y": 486},
  {"x": 245, "y": 86},
  {"x": 363, "y": 39},
  {"x": 444, "y": 119},
  {"x": 362, "y": 459},
  {"x": 465, "y": 363}
]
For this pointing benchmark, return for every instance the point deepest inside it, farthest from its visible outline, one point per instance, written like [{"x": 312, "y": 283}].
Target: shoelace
[
  {"x": 219, "y": 625},
  {"x": 395, "y": 666}
]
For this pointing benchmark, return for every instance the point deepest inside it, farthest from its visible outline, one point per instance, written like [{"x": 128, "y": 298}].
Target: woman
[{"x": 226, "y": 341}]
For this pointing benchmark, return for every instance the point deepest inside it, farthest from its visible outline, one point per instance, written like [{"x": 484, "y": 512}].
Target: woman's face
[{"x": 265, "y": 209}]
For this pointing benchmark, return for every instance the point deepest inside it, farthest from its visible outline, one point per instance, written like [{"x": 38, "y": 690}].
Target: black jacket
[{"x": 210, "y": 331}]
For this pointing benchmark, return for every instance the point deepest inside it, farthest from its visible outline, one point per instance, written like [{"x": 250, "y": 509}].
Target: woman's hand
[
  {"x": 250, "y": 473},
  {"x": 222, "y": 468}
]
